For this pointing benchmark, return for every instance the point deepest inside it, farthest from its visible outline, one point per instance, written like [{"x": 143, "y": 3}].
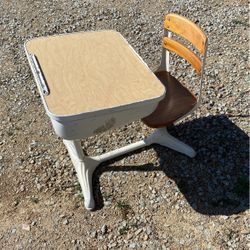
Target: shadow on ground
[{"x": 215, "y": 182}]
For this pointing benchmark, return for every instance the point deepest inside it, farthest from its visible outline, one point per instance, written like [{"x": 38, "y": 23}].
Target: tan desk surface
[{"x": 89, "y": 71}]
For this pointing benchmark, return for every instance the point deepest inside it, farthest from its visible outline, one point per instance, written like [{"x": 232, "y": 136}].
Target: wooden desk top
[{"x": 90, "y": 71}]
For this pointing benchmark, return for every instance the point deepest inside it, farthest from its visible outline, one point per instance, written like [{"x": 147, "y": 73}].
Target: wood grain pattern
[
  {"x": 90, "y": 71},
  {"x": 187, "y": 29},
  {"x": 184, "y": 52}
]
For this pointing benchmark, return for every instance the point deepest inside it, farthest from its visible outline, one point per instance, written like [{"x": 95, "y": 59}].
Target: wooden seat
[{"x": 177, "y": 102}]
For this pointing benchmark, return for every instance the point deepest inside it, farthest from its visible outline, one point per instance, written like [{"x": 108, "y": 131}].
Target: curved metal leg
[
  {"x": 162, "y": 137},
  {"x": 85, "y": 167}
]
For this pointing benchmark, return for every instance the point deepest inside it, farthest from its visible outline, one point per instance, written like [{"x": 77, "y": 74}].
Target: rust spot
[{"x": 108, "y": 125}]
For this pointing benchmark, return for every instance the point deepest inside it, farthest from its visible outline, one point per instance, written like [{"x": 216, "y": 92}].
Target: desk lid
[{"x": 90, "y": 71}]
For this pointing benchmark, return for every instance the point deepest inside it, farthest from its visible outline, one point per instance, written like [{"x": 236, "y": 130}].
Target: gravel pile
[{"x": 155, "y": 198}]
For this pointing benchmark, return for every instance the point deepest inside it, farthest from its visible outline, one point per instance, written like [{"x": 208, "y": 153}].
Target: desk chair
[
  {"x": 178, "y": 101},
  {"x": 91, "y": 82}
]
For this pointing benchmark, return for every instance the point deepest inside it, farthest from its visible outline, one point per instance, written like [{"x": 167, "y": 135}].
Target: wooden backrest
[
  {"x": 189, "y": 31},
  {"x": 184, "y": 52}
]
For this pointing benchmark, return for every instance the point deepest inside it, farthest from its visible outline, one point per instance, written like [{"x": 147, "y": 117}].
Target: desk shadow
[{"x": 215, "y": 182}]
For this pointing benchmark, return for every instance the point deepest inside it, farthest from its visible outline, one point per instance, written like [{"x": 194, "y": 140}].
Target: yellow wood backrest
[
  {"x": 184, "y": 52},
  {"x": 187, "y": 29}
]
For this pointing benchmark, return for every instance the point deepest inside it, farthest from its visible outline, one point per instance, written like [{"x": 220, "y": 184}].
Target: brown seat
[{"x": 177, "y": 102}]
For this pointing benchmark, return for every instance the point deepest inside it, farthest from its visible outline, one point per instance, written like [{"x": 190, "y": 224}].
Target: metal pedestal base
[{"x": 86, "y": 165}]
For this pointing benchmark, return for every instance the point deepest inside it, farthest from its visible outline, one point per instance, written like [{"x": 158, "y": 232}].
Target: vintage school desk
[{"x": 91, "y": 82}]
